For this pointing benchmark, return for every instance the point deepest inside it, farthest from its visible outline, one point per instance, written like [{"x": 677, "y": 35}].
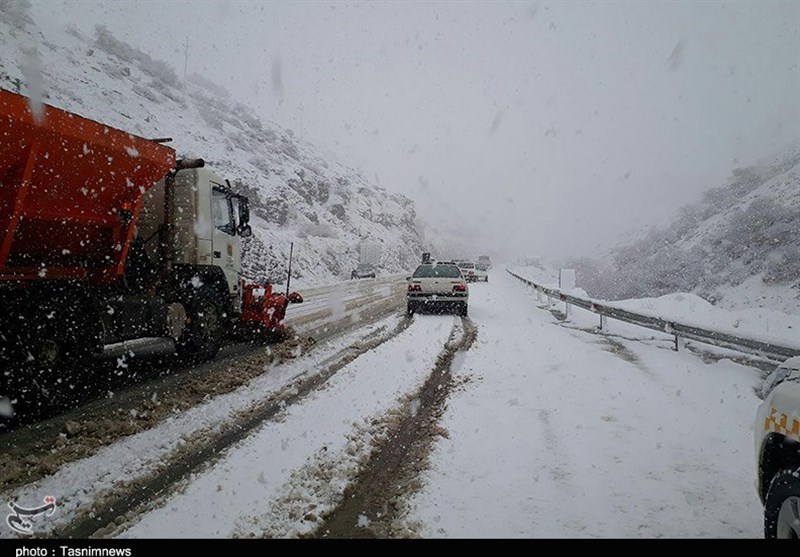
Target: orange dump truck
[{"x": 106, "y": 237}]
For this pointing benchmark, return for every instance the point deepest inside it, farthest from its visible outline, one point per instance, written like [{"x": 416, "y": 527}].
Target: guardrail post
[
  {"x": 602, "y": 322},
  {"x": 669, "y": 328},
  {"x": 566, "y": 309},
  {"x": 538, "y": 294}
]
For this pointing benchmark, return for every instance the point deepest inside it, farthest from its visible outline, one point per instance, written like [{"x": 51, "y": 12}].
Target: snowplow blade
[
  {"x": 262, "y": 311},
  {"x": 70, "y": 192}
]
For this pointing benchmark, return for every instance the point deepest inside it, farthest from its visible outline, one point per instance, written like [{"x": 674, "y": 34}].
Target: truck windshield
[{"x": 221, "y": 211}]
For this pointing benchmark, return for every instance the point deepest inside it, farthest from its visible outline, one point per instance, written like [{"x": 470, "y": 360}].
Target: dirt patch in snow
[{"x": 620, "y": 350}]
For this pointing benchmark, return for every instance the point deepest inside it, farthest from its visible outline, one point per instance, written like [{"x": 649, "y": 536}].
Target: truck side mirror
[
  {"x": 244, "y": 217},
  {"x": 244, "y": 211}
]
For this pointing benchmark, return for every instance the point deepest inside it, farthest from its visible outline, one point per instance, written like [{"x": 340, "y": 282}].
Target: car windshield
[
  {"x": 437, "y": 271},
  {"x": 467, "y": 265},
  {"x": 365, "y": 267}
]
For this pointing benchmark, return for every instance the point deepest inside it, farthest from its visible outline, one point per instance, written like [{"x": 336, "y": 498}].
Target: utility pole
[
  {"x": 185, "y": 61},
  {"x": 289, "y": 277}
]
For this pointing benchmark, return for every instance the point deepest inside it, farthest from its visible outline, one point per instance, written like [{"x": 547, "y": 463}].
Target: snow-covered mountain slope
[
  {"x": 296, "y": 194},
  {"x": 739, "y": 247}
]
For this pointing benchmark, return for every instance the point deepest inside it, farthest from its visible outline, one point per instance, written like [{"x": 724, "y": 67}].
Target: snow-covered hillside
[
  {"x": 297, "y": 195},
  {"x": 739, "y": 247}
]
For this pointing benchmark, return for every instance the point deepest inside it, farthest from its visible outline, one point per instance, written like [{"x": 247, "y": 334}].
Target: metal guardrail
[{"x": 771, "y": 350}]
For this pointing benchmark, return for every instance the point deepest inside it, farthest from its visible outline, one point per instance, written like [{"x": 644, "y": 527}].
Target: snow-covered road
[
  {"x": 567, "y": 433},
  {"x": 561, "y": 432},
  {"x": 547, "y": 429},
  {"x": 286, "y": 474}
]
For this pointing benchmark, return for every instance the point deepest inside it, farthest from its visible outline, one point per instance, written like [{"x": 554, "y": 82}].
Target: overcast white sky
[{"x": 546, "y": 126}]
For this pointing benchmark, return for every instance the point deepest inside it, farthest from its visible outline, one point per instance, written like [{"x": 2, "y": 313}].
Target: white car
[
  {"x": 436, "y": 287},
  {"x": 468, "y": 270},
  {"x": 481, "y": 272},
  {"x": 777, "y": 437}
]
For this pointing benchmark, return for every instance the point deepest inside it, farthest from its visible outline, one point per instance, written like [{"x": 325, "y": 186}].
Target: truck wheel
[
  {"x": 51, "y": 351},
  {"x": 205, "y": 324},
  {"x": 65, "y": 331},
  {"x": 463, "y": 309},
  {"x": 782, "y": 506}
]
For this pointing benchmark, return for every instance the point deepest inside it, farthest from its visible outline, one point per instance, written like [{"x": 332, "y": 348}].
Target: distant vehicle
[
  {"x": 364, "y": 270},
  {"x": 437, "y": 287},
  {"x": 468, "y": 270},
  {"x": 481, "y": 272},
  {"x": 484, "y": 259},
  {"x": 777, "y": 438}
]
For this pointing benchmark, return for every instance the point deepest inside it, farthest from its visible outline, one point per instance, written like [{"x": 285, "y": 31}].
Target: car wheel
[
  {"x": 782, "y": 506},
  {"x": 463, "y": 309},
  {"x": 410, "y": 309}
]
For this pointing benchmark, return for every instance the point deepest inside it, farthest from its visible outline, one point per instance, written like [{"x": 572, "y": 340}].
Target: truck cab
[{"x": 208, "y": 221}]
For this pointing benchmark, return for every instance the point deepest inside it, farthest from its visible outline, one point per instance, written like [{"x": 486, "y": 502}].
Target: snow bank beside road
[{"x": 757, "y": 323}]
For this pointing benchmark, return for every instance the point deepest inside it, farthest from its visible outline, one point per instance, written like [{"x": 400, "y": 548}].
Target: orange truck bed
[{"x": 70, "y": 193}]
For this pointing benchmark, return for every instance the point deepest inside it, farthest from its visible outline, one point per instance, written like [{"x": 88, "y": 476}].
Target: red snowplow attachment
[
  {"x": 262, "y": 309},
  {"x": 70, "y": 193}
]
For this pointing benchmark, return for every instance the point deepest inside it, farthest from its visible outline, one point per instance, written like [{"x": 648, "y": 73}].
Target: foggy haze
[{"x": 534, "y": 128}]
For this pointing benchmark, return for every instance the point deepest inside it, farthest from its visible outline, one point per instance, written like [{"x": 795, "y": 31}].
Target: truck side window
[{"x": 221, "y": 211}]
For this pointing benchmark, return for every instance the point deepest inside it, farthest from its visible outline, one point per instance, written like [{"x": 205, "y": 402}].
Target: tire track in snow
[
  {"x": 372, "y": 506},
  {"x": 126, "y": 500}
]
